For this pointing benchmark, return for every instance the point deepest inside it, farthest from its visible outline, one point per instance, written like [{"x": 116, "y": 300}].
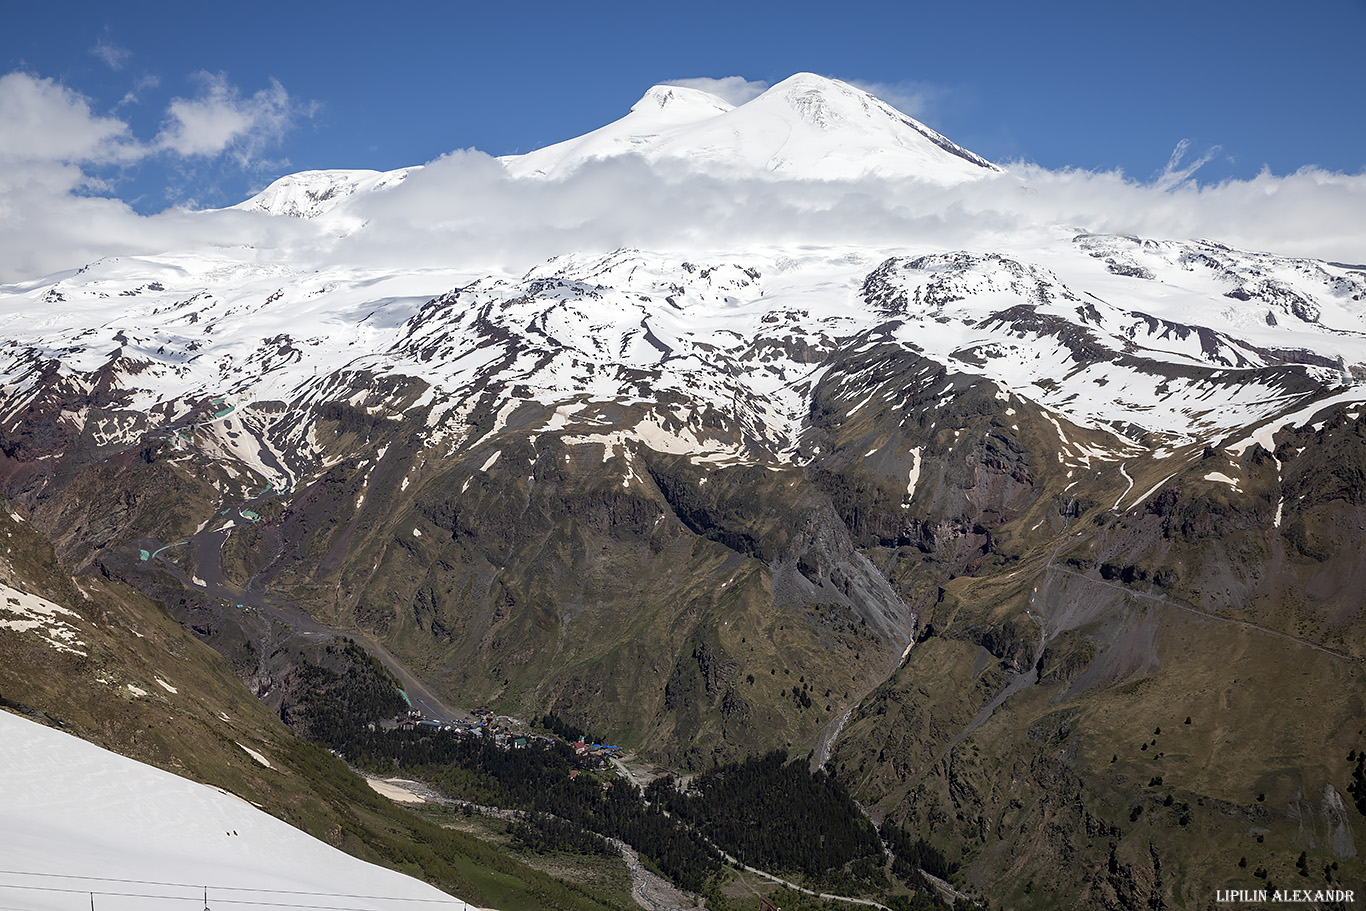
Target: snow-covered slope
[
  {"x": 806, "y": 127},
  {"x": 664, "y": 111},
  {"x": 76, "y": 820},
  {"x": 1157, "y": 341},
  {"x": 309, "y": 194}
]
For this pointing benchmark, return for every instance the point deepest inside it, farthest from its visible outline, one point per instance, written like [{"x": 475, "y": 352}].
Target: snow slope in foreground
[{"x": 77, "y": 819}]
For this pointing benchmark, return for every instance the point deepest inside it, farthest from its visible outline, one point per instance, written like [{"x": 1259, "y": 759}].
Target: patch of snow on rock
[
  {"x": 255, "y": 755},
  {"x": 23, "y": 612}
]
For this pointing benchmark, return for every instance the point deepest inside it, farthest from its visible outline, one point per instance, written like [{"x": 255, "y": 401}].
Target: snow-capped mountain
[
  {"x": 310, "y": 194},
  {"x": 730, "y": 497},
  {"x": 663, "y": 112},
  {"x": 806, "y": 127},
  {"x": 1162, "y": 342}
]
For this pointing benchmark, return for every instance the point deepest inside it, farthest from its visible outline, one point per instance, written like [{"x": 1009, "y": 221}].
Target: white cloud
[
  {"x": 112, "y": 54},
  {"x": 56, "y": 151},
  {"x": 221, "y": 120},
  {"x": 463, "y": 208},
  {"x": 1312, "y": 212},
  {"x": 43, "y": 121},
  {"x": 735, "y": 90}
]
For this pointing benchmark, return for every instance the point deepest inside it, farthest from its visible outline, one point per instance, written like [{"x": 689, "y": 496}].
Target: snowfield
[
  {"x": 77, "y": 820},
  {"x": 236, "y": 350}
]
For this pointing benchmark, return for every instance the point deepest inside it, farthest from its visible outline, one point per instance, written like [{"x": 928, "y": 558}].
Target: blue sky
[{"x": 1090, "y": 85}]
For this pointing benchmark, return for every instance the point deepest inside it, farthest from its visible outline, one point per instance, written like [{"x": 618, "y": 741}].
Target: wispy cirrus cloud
[
  {"x": 915, "y": 99},
  {"x": 113, "y": 55},
  {"x": 141, "y": 84},
  {"x": 1179, "y": 170}
]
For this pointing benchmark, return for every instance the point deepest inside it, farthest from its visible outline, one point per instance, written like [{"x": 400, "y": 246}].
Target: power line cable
[
  {"x": 248, "y": 902},
  {"x": 185, "y": 898},
  {"x": 152, "y": 882}
]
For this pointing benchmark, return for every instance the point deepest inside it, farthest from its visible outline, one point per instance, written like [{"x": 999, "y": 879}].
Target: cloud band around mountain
[{"x": 464, "y": 209}]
